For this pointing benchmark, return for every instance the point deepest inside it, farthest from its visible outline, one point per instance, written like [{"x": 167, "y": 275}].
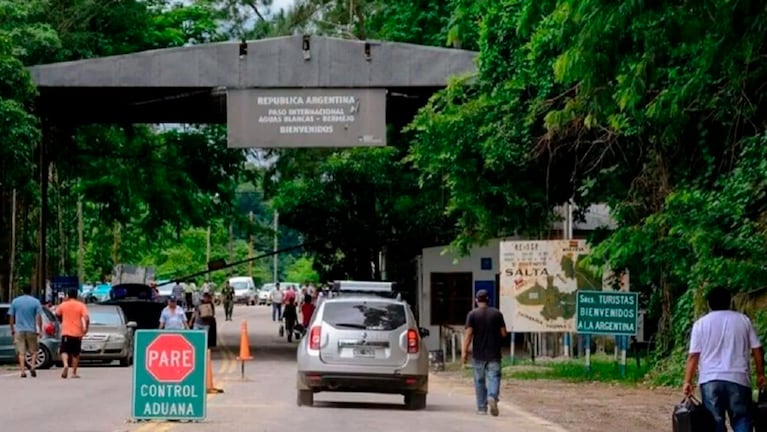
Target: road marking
[
  {"x": 518, "y": 411},
  {"x": 239, "y": 406},
  {"x": 532, "y": 417},
  {"x": 146, "y": 427}
]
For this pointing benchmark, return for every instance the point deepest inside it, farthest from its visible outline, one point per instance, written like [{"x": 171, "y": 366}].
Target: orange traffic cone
[
  {"x": 244, "y": 343},
  {"x": 209, "y": 377}
]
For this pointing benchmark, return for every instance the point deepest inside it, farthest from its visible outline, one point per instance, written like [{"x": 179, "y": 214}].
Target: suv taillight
[
  {"x": 314, "y": 338},
  {"x": 50, "y": 329},
  {"x": 412, "y": 341}
]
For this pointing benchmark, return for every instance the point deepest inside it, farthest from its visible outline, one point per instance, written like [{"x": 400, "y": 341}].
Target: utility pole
[
  {"x": 116, "y": 242},
  {"x": 207, "y": 255},
  {"x": 382, "y": 263},
  {"x": 231, "y": 247},
  {"x": 568, "y": 235},
  {"x": 215, "y": 201},
  {"x": 276, "y": 247},
  {"x": 80, "y": 241},
  {"x": 42, "y": 248},
  {"x": 250, "y": 246},
  {"x": 12, "y": 268}
]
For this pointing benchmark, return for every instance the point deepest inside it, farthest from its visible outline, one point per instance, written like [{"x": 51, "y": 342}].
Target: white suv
[{"x": 363, "y": 342}]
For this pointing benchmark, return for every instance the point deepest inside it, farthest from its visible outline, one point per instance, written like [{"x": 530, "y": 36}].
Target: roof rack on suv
[{"x": 381, "y": 289}]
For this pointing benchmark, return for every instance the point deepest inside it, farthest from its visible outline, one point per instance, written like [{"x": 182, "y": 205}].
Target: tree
[
  {"x": 354, "y": 205},
  {"x": 134, "y": 181},
  {"x": 302, "y": 270},
  {"x": 20, "y": 40},
  {"x": 654, "y": 109},
  {"x": 242, "y": 19},
  {"x": 484, "y": 139}
]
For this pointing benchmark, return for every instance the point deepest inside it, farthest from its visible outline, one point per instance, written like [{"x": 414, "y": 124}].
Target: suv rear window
[{"x": 367, "y": 315}]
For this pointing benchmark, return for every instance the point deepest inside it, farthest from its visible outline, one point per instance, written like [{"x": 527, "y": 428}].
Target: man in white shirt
[
  {"x": 720, "y": 346},
  {"x": 277, "y": 299},
  {"x": 178, "y": 293}
]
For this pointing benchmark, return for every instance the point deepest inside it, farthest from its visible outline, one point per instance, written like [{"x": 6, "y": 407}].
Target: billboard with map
[{"x": 538, "y": 284}]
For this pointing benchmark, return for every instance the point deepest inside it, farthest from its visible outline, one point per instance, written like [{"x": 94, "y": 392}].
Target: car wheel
[
  {"x": 305, "y": 398},
  {"x": 42, "y": 359},
  {"x": 127, "y": 361},
  {"x": 415, "y": 401}
]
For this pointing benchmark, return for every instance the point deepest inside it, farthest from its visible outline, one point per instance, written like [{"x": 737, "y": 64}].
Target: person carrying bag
[
  {"x": 760, "y": 412},
  {"x": 204, "y": 318},
  {"x": 721, "y": 343},
  {"x": 691, "y": 416}
]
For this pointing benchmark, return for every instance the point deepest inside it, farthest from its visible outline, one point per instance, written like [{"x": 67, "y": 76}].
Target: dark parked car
[{"x": 136, "y": 302}]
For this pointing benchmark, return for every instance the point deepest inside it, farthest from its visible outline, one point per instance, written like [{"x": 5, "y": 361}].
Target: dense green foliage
[
  {"x": 148, "y": 194},
  {"x": 655, "y": 108}
]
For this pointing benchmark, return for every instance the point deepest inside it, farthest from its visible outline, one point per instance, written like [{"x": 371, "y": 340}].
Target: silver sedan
[{"x": 110, "y": 336}]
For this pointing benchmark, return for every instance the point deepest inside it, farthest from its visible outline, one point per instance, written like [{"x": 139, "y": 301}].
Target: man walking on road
[
  {"x": 74, "y": 325},
  {"x": 228, "y": 296},
  {"x": 485, "y": 331},
  {"x": 178, "y": 293},
  {"x": 25, "y": 316},
  {"x": 172, "y": 316},
  {"x": 277, "y": 299},
  {"x": 720, "y": 345},
  {"x": 290, "y": 314},
  {"x": 189, "y": 290}
]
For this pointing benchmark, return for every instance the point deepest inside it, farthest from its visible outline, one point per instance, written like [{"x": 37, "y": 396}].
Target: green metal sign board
[
  {"x": 169, "y": 375},
  {"x": 607, "y": 313}
]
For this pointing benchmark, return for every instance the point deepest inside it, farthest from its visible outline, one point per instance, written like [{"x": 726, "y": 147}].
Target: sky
[{"x": 281, "y": 4}]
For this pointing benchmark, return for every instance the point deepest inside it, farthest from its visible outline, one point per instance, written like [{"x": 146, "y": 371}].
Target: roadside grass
[{"x": 603, "y": 369}]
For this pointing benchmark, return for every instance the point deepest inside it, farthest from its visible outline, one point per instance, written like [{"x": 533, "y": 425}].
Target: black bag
[
  {"x": 212, "y": 332},
  {"x": 691, "y": 416},
  {"x": 760, "y": 412}
]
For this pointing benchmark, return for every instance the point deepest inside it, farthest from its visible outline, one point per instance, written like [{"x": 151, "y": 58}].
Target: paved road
[{"x": 263, "y": 402}]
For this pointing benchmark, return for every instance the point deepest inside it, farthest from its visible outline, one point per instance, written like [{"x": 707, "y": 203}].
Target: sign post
[
  {"x": 607, "y": 313},
  {"x": 169, "y": 375},
  {"x": 538, "y": 285}
]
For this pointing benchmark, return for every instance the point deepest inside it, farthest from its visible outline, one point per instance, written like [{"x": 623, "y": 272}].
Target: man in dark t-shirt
[{"x": 485, "y": 331}]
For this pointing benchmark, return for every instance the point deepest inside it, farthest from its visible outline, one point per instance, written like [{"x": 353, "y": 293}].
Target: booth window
[{"x": 451, "y": 297}]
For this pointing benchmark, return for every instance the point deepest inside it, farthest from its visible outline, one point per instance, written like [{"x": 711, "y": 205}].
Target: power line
[{"x": 240, "y": 262}]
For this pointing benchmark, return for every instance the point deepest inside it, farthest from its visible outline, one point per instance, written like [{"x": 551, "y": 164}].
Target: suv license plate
[
  {"x": 364, "y": 352},
  {"x": 90, "y": 347}
]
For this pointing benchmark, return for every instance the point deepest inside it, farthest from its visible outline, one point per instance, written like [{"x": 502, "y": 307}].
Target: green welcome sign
[
  {"x": 169, "y": 375},
  {"x": 607, "y": 313}
]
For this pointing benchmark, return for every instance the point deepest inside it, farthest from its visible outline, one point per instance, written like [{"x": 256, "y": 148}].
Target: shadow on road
[
  {"x": 375, "y": 406},
  {"x": 359, "y": 405},
  {"x": 265, "y": 342},
  {"x": 98, "y": 364}
]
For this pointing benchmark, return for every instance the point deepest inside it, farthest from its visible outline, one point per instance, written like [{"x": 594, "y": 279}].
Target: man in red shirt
[
  {"x": 307, "y": 310},
  {"x": 290, "y": 295}
]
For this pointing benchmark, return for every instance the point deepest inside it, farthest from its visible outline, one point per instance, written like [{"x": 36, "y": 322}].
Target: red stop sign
[{"x": 170, "y": 358}]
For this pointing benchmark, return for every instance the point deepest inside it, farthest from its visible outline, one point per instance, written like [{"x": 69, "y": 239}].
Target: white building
[{"x": 447, "y": 283}]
